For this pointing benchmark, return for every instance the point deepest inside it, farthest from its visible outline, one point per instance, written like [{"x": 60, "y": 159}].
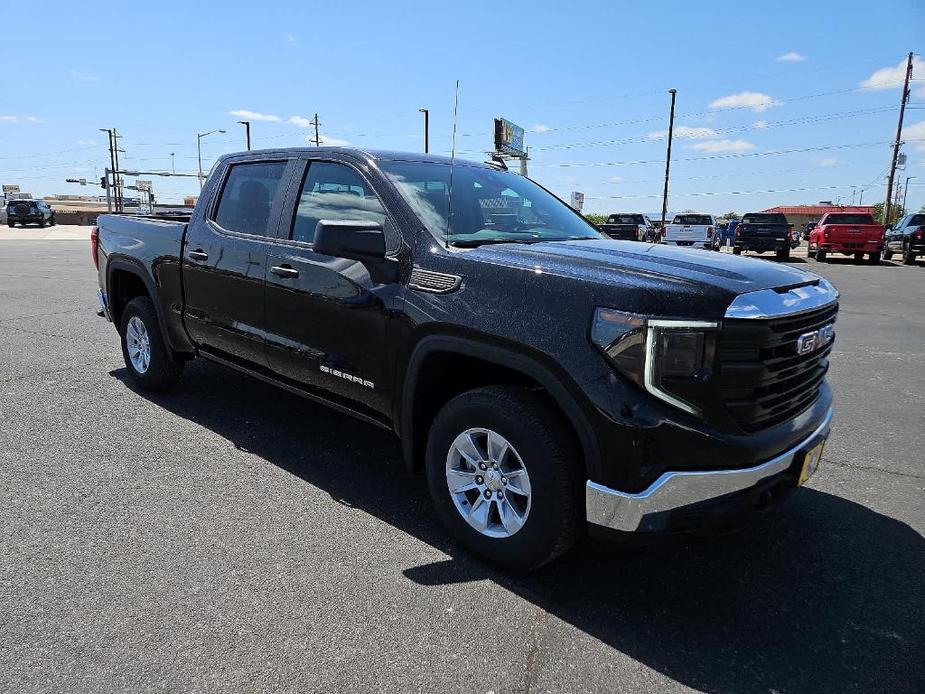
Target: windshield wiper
[{"x": 473, "y": 243}]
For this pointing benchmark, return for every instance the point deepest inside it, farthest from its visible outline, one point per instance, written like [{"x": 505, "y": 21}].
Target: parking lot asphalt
[{"x": 232, "y": 537}]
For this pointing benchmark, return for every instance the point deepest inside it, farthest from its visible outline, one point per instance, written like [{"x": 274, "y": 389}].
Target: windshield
[
  {"x": 697, "y": 219},
  {"x": 488, "y": 206},
  {"x": 917, "y": 220},
  {"x": 626, "y": 219},
  {"x": 773, "y": 218},
  {"x": 849, "y": 219}
]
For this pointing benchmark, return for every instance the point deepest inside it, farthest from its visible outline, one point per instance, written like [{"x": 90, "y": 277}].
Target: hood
[{"x": 715, "y": 278}]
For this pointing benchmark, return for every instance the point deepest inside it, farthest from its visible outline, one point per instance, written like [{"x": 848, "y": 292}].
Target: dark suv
[{"x": 29, "y": 212}]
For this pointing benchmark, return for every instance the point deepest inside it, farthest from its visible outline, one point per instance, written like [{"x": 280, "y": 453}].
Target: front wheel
[
  {"x": 887, "y": 253},
  {"x": 503, "y": 477},
  {"x": 820, "y": 255},
  {"x": 737, "y": 251},
  {"x": 11, "y": 225},
  {"x": 147, "y": 357},
  {"x": 784, "y": 254}
]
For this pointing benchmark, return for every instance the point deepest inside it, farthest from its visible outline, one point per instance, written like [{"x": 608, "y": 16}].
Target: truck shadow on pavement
[{"x": 821, "y": 595}]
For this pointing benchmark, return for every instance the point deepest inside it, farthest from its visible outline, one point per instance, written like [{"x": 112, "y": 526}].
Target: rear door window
[
  {"x": 247, "y": 197},
  {"x": 693, "y": 219},
  {"x": 859, "y": 219}
]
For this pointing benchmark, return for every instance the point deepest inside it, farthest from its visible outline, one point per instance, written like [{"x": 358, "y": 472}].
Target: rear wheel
[
  {"x": 147, "y": 357},
  {"x": 908, "y": 255},
  {"x": 858, "y": 257},
  {"x": 820, "y": 255},
  {"x": 810, "y": 251},
  {"x": 874, "y": 258},
  {"x": 41, "y": 224},
  {"x": 784, "y": 254},
  {"x": 503, "y": 476},
  {"x": 737, "y": 251},
  {"x": 11, "y": 224}
]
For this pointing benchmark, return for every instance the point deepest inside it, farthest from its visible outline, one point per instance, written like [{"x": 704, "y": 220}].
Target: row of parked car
[{"x": 850, "y": 234}]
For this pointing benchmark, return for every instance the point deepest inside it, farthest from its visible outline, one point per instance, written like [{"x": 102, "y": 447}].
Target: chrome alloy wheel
[
  {"x": 488, "y": 482},
  {"x": 138, "y": 344}
]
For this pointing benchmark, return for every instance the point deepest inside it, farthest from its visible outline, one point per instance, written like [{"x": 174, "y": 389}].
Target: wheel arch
[
  {"x": 126, "y": 279},
  {"x": 497, "y": 363}
]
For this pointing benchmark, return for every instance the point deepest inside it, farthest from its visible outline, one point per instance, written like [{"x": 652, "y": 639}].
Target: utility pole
[
  {"x": 523, "y": 162},
  {"x": 673, "y": 93},
  {"x": 173, "y": 166},
  {"x": 899, "y": 133},
  {"x": 317, "y": 139},
  {"x": 120, "y": 202},
  {"x": 112, "y": 166},
  {"x": 426, "y": 112},
  {"x": 247, "y": 132}
]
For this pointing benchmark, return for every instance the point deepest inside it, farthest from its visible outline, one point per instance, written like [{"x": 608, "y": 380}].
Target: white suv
[{"x": 690, "y": 229}]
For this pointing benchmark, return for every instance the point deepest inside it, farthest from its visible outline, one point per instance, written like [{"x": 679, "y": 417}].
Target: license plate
[{"x": 811, "y": 460}]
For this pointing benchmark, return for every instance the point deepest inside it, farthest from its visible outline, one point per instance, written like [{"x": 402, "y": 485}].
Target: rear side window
[
  {"x": 247, "y": 197},
  {"x": 917, "y": 220},
  {"x": 333, "y": 191},
  {"x": 771, "y": 218},
  {"x": 859, "y": 219},
  {"x": 626, "y": 219},
  {"x": 693, "y": 219}
]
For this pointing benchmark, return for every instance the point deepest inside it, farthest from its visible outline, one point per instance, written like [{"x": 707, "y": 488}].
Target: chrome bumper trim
[{"x": 624, "y": 511}]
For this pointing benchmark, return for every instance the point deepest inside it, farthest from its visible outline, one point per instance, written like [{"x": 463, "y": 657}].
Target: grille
[{"x": 763, "y": 381}]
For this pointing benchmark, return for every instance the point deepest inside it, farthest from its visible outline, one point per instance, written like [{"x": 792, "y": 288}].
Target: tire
[
  {"x": 11, "y": 225},
  {"x": 52, "y": 222},
  {"x": 858, "y": 257},
  {"x": 737, "y": 251},
  {"x": 784, "y": 254},
  {"x": 887, "y": 253},
  {"x": 552, "y": 513},
  {"x": 820, "y": 255},
  {"x": 874, "y": 258},
  {"x": 41, "y": 224},
  {"x": 908, "y": 256},
  {"x": 162, "y": 369},
  {"x": 810, "y": 252}
]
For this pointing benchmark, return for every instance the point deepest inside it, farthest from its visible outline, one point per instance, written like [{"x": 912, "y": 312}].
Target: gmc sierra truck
[
  {"x": 690, "y": 230},
  {"x": 764, "y": 231},
  {"x": 847, "y": 233},
  {"x": 627, "y": 227},
  {"x": 544, "y": 380}
]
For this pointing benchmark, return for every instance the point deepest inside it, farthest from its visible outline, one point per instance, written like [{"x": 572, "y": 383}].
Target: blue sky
[{"x": 588, "y": 80}]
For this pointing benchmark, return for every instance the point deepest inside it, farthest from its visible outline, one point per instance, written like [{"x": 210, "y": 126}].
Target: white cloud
[
  {"x": 299, "y": 121},
  {"x": 684, "y": 131},
  {"x": 723, "y": 146},
  {"x": 615, "y": 179},
  {"x": 791, "y": 57},
  {"x": 755, "y": 101},
  {"x": 87, "y": 143},
  {"x": 9, "y": 119},
  {"x": 288, "y": 38},
  {"x": 915, "y": 131},
  {"x": 328, "y": 141},
  {"x": 891, "y": 77},
  {"x": 828, "y": 162},
  {"x": 253, "y": 115},
  {"x": 33, "y": 119},
  {"x": 540, "y": 128},
  {"x": 84, "y": 76},
  {"x": 760, "y": 124}
]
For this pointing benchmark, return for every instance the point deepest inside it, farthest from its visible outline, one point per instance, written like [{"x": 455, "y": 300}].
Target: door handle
[
  {"x": 198, "y": 255},
  {"x": 284, "y": 271}
]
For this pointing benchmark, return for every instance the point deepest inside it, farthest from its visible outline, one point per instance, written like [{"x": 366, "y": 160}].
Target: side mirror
[{"x": 357, "y": 240}]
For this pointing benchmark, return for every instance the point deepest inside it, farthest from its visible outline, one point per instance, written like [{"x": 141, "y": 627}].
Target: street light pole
[
  {"x": 199, "y": 137},
  {"x": 112, "y": 167},
  {"x": 173, "y": 166},
  {"x": 426, "y": 112},
  {"x": 247, "y": 132},
  {"x": 673, "y": 93},
  {"x": 906, "y": 191}
]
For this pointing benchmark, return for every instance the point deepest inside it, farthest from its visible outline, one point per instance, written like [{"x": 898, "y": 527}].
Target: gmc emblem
[{"x": 811, "y": 341}]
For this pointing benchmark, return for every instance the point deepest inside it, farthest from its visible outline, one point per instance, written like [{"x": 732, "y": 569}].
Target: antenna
[{"x": 449, "y": 199}]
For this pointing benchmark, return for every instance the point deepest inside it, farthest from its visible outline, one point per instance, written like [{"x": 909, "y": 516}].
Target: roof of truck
[{"x": 376, "y": 154}]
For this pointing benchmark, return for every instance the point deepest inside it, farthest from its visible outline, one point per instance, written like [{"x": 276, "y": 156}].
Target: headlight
[{"x": 666, "y": 357}]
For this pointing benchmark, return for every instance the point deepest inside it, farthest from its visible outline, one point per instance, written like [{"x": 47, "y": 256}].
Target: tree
[
  {"x": 896, "y": 213},
  {"x": 596, "y": 218},
  {"x": 731, "y": 215}
]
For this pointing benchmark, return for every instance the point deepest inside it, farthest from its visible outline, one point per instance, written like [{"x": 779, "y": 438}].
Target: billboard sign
[
  {"x": 509, "y": 138},
  {"x": 143, "y": 185},
  {"x": 578, "y": 200},
  {"x": 10, "y": 188}
]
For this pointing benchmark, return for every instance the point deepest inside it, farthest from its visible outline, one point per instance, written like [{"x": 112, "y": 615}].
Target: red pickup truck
[{"x": 848, "y": 233}]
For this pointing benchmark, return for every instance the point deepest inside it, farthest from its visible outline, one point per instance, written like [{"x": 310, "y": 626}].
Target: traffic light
[{"x": 104, "y": 182}]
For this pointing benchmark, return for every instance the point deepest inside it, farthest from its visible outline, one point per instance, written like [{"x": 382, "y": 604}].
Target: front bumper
[{"x": 676, "y": 491}]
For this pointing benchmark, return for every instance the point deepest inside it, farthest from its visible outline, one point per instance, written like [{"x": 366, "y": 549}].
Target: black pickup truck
[
  {"x": 764, "y": 231},
  {"x": 546, "y": 381},
  {"x": 627, "y": 227}
]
